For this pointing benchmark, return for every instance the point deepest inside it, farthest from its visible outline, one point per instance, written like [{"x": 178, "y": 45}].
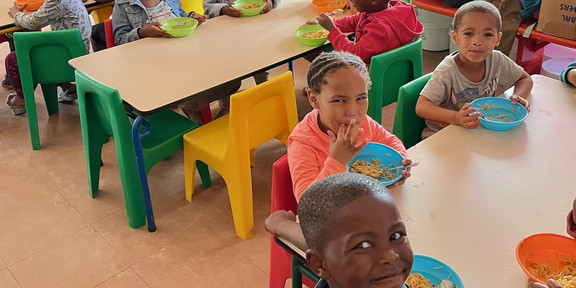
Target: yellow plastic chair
[
  {"x": 192, "y": 5},
  {"x": 389, "y": 71},
  {"x": 256, "y": 115}
]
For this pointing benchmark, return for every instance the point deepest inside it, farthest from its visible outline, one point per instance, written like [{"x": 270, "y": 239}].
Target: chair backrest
[
  {"x": 193, "y": 5},
  {"x": 282, "y": 197},
  {"x": 389, "y": 71},
  {"x": 263, "y": 112},
  {"x": 407, "y": 125},
  {"x": 43, "y": 56},
  {"x": 108, "y": 32},
  {"x": 100, "y": 107}
]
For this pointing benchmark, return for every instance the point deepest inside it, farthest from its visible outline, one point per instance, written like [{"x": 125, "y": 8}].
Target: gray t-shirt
[{"x": 449, "y": 89}]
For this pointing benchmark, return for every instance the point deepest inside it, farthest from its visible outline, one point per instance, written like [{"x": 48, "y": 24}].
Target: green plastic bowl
[
  {"x": 179, "y": 27},
  {"x": 310, "y": 41},
  {"x": 249, "y": 11}
]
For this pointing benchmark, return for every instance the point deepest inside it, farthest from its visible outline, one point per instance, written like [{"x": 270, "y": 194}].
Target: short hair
[
  {"x": 328, "y": 62},
  {"x": 477, "y": 6},
  {"x": 323, "y": 201}
]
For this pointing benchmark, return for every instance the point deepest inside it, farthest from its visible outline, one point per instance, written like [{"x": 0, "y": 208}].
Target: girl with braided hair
[{"x": 338, "y": 127}]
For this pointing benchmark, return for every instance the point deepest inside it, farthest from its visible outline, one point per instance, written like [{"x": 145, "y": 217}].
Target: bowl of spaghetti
[
  {"x": 33, "y": 5},
  {"x": 374, "y": 160},
  {"x": 311, "y": 35},
  {"x": 546, "y": 256},
  {"x": 498, "y": 113},
  {"x": 429, "y": 272},
  {"x": 327, "y": 6},
  {"x": 249, "y": 7}
]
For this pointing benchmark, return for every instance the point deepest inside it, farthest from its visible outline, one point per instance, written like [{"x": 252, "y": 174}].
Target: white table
[
  {"x": 153, "y": 73},
  {"x": 477, "y": 193}
]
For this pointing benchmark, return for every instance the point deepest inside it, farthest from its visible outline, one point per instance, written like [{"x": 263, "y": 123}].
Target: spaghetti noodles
[{"x": 565, "y": 276}]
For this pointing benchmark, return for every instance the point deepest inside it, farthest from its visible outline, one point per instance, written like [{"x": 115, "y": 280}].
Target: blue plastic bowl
[
  {"x": 435, "y": 270},
  {"x": 388, "y": 158},
  {"x": 499, "y": 113}
]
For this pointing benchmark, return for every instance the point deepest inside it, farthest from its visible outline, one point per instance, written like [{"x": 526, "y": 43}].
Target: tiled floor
[{"x": 52, "y": 234}]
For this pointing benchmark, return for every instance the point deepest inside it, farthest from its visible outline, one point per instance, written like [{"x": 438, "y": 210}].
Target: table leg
[{"x": 137, "y": 139}]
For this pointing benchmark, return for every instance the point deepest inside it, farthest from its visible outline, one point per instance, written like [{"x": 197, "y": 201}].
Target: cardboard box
[{"x": 558, "y": 18}]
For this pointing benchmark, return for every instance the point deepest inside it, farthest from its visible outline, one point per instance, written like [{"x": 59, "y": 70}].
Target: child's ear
[
  {"x": 316, "y": 262},
  {"x": 312, "y": 98},
  {"x": 453, "y": 36},
  {"x": 499, "y": 37}
]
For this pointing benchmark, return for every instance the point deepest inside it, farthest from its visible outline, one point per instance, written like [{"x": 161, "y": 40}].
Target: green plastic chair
[
  {"x": 407, "y": 125},
  {"x": 43, "y": 59},
  {"x": 389, "y": 71},
  {"x": 102, "y": 116}
]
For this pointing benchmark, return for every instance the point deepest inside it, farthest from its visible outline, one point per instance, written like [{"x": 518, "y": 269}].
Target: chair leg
[
  {"x": 253, "y": 158},
  {"x": 239, "y": 184},
  {"x": 93, "y": 143},
  {"x": 189, "y": 172},
  {"x": 204, "y": 174},
  {"x": 30, "y": 103},
  {"x": 50, "y": 97}
]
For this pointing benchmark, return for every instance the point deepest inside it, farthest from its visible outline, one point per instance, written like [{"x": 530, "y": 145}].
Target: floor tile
[
  {"x": 124, "y": 279},
  {"x": 84, "y": 259},
  {"x": 7, "y": 280}
]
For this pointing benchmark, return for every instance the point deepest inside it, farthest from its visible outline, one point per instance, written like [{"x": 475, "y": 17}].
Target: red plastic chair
[
  {"x": 282, "y": 198},
  {"x": 110, "y": 42}
]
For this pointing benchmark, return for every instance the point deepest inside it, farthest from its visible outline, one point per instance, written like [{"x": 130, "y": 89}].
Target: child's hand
[
  {"x": 549, "y": 284},
  {"x": 230, "y": 10},
  {"x": 517, "y": 99},
  {"x": 15, "y": 9},
  {"x": 468, "y": 117},
  {"x": 573, "y": 210},
  {"x": 201, "y": 18},
  {"x": 571, "y": 221},
  {"x": 311, "y": 22},
  {"x": 345, "y": 144},
  {"x": 405, "y": 173},
  {"x": 267, "y": 8},
  {"x": 276, "y": 219},
  {"x": 152, "y": 30},
  {"x": 571, "y": 76},
  {"x": 325, "y": 21}
]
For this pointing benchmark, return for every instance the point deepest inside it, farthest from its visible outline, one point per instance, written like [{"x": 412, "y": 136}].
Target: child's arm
[
  {"x": 48, "y": 13},
  {"x": 522, "y": 89},
  {"x": 550, "y": 284},
  {"x": 466, "y": 117},
  {"x": 283, "y": 224},
  {"x": 571, "y": 221},
  {"x": 568, "y": 76},
  {"x": 214, "y": 8}
]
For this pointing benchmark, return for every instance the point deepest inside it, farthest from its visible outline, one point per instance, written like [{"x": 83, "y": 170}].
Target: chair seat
[{"x": 210, "y": 141}]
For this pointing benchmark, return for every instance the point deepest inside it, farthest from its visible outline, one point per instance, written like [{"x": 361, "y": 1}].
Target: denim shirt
[{"x": 130, "y": 15}]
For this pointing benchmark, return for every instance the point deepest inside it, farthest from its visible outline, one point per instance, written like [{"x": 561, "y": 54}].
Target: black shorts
[{"x": 98, "y": 35}]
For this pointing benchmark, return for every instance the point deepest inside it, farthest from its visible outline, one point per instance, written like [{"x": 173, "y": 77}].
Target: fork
[{"x": 413, "y": 164}]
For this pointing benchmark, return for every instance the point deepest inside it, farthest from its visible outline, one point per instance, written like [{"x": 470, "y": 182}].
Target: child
[
  {"x": 568, "y": 76},
  {"x": 379, "y": 26},
  {"x": 215, "y": 8},
  {"x": 136, "y": 19},
  {"x": 571, "y": 230},
  {"x": 60, "y": 15},
  {"x": 340, "y": 234},
  {"x": 474, "y": 71},
  {"x": 330, "y": 135}
]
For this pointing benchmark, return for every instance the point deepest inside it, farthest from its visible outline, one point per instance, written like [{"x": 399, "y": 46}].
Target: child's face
[
  {"x": 367, "y": 247},
  {"x": 476, "y": 37},
  {"x": 344, "y": 97}
]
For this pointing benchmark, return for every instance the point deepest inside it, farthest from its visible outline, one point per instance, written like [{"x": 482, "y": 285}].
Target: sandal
[{"x": 16, "y": 104}]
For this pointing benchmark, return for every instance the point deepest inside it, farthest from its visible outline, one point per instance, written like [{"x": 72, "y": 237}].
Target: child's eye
[
  {"x": 488, "y": 35},
  {"x": 467, "y": 33},
  {"x": 363, "y": 245},
  {"x": 338, "y": 101},
  {"x": 361, "y": 98},
  {"x": 396, "y": 236}
]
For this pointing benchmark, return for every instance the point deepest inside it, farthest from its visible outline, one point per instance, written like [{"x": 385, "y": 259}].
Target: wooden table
[
  {"x": 153, "y": 73},
  {"x": 7, "y": 22},
  {"x": 477, "y": 193}
]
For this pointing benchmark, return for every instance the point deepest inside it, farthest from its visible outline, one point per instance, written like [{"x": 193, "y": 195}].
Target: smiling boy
[{"x": 476, "y": 70}]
